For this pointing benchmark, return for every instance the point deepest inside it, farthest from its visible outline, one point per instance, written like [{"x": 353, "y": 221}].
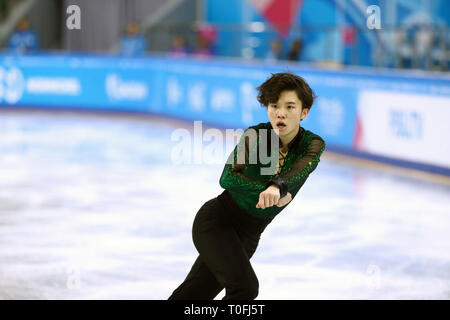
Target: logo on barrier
[
  {"x": 222, "y": 100},
  {"x": 11, "y": 85},
  {"x": 174, "y": 92},
  {"x": 118, "y": 89},
  {"x": 406, "y": 124},
  {"x": 54, "y": 85},
  {"x": 331, "y": 115},
  {"x": 196, "y": 96}
]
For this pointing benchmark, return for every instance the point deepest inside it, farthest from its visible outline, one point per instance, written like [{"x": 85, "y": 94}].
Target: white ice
[{"x": 93, "y": 207}]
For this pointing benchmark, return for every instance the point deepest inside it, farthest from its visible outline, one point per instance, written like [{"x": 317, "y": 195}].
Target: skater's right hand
[
  {"x": 285, "y": 200},
  {"x": 268, "y": 197}
]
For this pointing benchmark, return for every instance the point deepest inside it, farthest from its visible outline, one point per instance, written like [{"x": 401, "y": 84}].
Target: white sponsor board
[{"x": 413, "y": 127}]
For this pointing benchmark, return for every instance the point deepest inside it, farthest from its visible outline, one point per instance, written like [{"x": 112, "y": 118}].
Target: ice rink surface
[{"x": 93, "y": 207}]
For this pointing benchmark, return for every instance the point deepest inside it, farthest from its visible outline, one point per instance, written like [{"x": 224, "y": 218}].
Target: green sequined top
[{"x": 246, "y": 179}]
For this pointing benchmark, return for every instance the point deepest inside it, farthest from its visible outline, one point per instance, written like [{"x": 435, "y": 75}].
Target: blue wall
[
  {"x": 218, "y": 92},
  {"x": 333, "y": 14}
]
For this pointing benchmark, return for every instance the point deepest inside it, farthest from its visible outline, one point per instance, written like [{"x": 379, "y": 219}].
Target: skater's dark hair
[{"x": 270, "y": 90}]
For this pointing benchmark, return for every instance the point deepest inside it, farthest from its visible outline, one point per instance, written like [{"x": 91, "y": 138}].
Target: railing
[{"x": 421, "y": 47}]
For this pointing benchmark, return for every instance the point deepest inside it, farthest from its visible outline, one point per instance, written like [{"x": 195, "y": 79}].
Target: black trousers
[{"x": 226, "y": 238}]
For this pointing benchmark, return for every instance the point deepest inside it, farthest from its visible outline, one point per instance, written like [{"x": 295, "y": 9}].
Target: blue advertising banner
[{"x": 218, "y": 92}]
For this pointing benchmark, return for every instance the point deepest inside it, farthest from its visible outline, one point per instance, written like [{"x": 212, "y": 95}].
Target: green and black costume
[
  {"x": 245, "y": 182},
  {"x": 227, "y": 229}
]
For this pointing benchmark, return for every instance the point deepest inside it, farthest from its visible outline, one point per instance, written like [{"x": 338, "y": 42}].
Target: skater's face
[{"x": 288, "y": 111}]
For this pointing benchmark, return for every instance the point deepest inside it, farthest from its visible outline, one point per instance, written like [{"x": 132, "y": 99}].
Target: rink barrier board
[{"x": 351, "y": 107}]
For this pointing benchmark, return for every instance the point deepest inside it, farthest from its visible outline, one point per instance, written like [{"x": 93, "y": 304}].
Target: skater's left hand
[{"x": 268, "y": 197}]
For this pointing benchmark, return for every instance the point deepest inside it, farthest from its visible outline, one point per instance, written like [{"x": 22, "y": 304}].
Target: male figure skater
[{"x": 227, "y": 229}]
